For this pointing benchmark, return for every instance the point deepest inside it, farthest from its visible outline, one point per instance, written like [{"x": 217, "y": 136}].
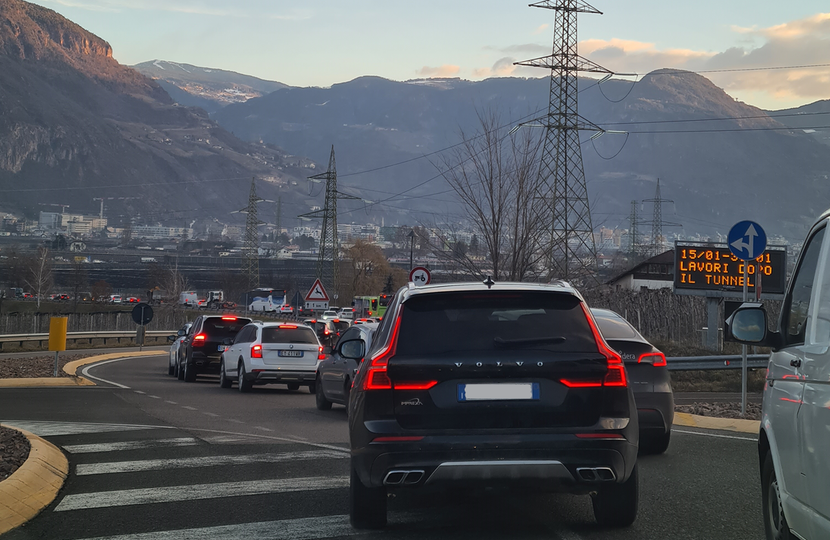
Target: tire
[
  {"x": 615, "y": 505},
  {"x": 775, "y": 523},
  {"x": 312, "y": 388},
  {"x": 224, "y": 381},
  {"x": 655, "y": 444},
  {"x": 189, "y": 370},
  {"x": 367, "y": 506},
  {"x": 243, "y": 384},
  {"x": 322, "y": 403},
  {"x": 179, "y": 370},
  {"x": 170, "y": 369},
  {"x": 293, "y": 386}
]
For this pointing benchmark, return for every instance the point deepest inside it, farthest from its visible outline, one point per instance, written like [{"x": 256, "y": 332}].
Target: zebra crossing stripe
[
  {"x": 51, "y": 429},
  {"x": 108, "y": 499},
  {"x": 85, "y": 469},
  {"x": 311, "y": 528},
  {"x": 128, "y": 445}
]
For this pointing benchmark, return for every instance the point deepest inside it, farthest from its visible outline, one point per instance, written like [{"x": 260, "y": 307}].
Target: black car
[
  {"x": 202, "y": 347},
  {"x": 326, "y": 331},
  {"x": 336, "y": 372},
  {"x": 648, "y": 376},
  {"x": 491, "y": 385}
]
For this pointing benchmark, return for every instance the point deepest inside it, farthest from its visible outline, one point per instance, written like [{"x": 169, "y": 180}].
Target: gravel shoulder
[
  {"x": 41, "y": 365},
  {"x": 14, "y": 450}
]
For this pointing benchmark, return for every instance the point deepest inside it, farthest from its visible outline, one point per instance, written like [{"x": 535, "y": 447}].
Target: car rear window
[
  {"x": 341, "y": 325},
  {"x": 222, "y": 328},
  {"x": 614, "y": 327},
  {"x": 299, "y": 334},
  {"x": 452, "y": 322}
]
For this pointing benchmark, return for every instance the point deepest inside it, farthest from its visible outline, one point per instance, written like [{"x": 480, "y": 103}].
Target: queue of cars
[{"x": 463, "y": 385}]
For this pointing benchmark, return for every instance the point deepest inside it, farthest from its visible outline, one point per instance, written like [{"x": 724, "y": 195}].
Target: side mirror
[
  {"x": 748, "y": 325},
  {"x": 172, "y": 338},
  {"x": 227, "y": 341},
  {"x": 180, "y": 333},
  {"x": 354, "y": 349}
]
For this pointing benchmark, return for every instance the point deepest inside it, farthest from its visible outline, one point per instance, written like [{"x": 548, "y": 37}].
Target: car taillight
[
  {"x": 654, "y": 358},
  {"x": 377, "y": 378},
  {"x": 256, "y": 351},
  {"x": 288, "y": 326},
  {"x": 326, "y": 331},
  {"x": 615, "y": 376},
  {"x": 320, "y": 355},
  {"x": 426, "y": 385},
  {"x": 199, "y": 340},
  {"x": 228, "y": 318}
]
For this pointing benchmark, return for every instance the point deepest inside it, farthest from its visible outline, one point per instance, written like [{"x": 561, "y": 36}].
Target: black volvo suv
[{"x": 496, "y": 385}]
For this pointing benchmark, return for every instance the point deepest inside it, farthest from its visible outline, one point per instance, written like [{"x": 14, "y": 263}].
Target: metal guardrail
[
  {"x": 694, "y": 363},
  {"x": 20, "y": 339}
]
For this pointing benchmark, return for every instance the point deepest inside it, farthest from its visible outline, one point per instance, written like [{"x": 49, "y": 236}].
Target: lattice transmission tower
[
  {"x": 633, "y": 232},
  {"x": 573, "y": 250},
  {"x": 328, "y": 258},
  {"x": 657, "y": 222},
  {"x": 250, "y": 250}
]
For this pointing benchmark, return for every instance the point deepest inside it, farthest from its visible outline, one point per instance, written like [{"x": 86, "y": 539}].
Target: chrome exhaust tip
[
  {"x": 596, "y": 474},
  {"x": 407, "y": 478}
]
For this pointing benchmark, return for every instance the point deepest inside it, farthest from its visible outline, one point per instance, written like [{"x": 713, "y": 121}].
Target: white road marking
[
  {"x": 211, "y": 414},
  {"x": 85, "y": 373},
  {"x": 713, "y": 435},
  {"x": 171, "y": 402},
  {"x": 154, "y": 397},
  {"x": 274, "y": 438},
  {"x": 310, "y": 528},
  {"x": 128, "y": 497},
  {"x": 139, "y": 392},
  {"x": 189, "y": 408},
  {"x": 262, "y": 428},
  {"x": 51, "y": 429},
  {"x": 85, "y": 469},
  {"x": 128, "y": 445}
]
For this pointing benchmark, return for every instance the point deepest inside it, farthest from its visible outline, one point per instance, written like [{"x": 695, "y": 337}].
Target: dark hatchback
[
  {"x": 506, "y": 386},
  {"x": 202, "y": 347},
  {"x": 648, "y": 376}
]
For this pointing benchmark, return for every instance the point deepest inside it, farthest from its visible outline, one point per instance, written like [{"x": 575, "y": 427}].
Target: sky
[{"x": 324, "y": 42}]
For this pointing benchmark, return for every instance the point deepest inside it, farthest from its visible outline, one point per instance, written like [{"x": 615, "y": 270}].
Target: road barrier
[{"x": 20, "y": 339}]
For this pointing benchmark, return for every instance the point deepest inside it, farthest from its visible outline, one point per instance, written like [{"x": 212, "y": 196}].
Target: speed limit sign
[{"x": 419, "y": 276}]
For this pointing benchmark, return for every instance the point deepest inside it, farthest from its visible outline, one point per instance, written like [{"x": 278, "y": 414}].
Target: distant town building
[
  {"x": 654, "y": 273},
  {"x": 161, "y": 232}
]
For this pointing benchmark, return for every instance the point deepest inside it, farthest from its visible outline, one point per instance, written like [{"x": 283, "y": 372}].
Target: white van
[
  {"x": 189, "y": 298},
  {"x": 794, "y": 439},
  {"x": 263, "y": 303}
]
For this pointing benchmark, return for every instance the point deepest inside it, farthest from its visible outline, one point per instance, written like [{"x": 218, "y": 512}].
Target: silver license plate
[
  {"x": 292, "y": 354},
  {"x": 498, "y": 392}
]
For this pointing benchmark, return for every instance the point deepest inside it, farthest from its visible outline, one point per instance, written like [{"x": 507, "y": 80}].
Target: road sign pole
[{"x": 743, "y": 347}]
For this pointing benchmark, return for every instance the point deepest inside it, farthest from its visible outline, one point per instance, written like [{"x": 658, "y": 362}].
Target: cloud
[
  {"x": 439, "y": 72},
  {"x": 541, "y": 29}
]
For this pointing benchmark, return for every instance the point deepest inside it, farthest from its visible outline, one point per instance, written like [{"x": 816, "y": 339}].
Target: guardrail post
[{"x": 713, "y": 322}]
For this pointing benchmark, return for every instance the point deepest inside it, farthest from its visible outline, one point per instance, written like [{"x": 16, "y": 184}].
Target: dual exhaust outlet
[
  {"x": 403, "y": 478},
  {"x": 596, "y": 474}
]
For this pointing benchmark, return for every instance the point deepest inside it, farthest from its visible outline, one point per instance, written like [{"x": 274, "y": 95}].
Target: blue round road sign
[{"x": 747, "y": 240}]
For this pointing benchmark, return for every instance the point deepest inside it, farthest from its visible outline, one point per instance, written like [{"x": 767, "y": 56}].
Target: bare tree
[
  {"x": 496, "y": 176},
  {"x": 79, "y": 279},
  {"x": 39, "y": 275}
]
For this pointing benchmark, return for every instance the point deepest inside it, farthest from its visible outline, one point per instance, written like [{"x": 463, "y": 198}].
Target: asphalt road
[{"x": 163, "y": 459}]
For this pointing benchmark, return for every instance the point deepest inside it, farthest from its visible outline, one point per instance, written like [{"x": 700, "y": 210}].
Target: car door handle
[{"x": 796, "y": 362}]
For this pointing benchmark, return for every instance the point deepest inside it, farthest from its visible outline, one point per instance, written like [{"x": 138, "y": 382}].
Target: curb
[
  {"x": 33, "y": 486},
  {"x": 723, "y": 424},
  {"x": 71, "y": 369}
]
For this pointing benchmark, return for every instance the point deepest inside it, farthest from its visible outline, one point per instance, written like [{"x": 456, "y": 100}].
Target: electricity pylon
[
  {"x": 633, "y": 233},
  {"x": 250, "y": 251},
  {"x": 328, "y": 258},
  {"x": 573, "y": 250},
  {"x": 657, "y": 222}
]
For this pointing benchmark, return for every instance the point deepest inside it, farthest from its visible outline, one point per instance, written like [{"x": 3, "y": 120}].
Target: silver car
[{"x": 173, "y": 364}]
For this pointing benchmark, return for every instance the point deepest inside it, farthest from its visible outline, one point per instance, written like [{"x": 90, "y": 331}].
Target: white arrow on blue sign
[{"x": 747, "y": 240}]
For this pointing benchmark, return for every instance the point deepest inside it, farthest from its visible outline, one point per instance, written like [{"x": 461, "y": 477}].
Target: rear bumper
[
  {"x": 537, "y": 462},
  {"x": 284, "y": 376},
  {"x": 655, "y": 411}
]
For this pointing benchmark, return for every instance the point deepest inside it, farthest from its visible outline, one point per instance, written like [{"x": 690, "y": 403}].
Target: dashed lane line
[
  {"x": 189, "y": 408},
  {"x": 155, "y": 495},
  {"x": 128, "y": 445},
  {"x": 717, "y": 435},
  {"x": 214, "y": 415},
  {"x": 116, "y": 467}
]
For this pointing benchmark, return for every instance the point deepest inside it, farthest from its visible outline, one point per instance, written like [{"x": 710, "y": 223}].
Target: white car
[
  {"x": 794, "y": 436},
  {"x": 346, "y": 313},
  {"x": 329, "y": 314},
  {"x": 286, "y": 308},
  {"x": 263, "y": 353},
  {"x": 173, "y": 366}
]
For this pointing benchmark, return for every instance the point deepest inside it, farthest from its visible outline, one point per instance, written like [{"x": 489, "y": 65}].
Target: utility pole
[
  {"x": 279, "y": 216},
  {"x": 633, "y": 233},
  {"x": 573, "y": 250},
  {"x": 657, "y": 222},
  {"x": 250, "y": 251},
  {"x": 328, "y": 257}
]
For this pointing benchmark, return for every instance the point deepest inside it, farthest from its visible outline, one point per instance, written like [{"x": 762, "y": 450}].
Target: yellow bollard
[{"x": 57, "y": 337}]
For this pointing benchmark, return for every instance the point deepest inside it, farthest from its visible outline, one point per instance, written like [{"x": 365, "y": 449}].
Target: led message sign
[{"x": 702, "y": 267}]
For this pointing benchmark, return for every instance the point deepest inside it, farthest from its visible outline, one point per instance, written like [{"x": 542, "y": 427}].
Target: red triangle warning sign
[{"x": 317, "y": 293}]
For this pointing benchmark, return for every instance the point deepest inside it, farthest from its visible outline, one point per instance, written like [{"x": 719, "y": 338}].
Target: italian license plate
[
  {"x": 292, "y": 354},
  {"x": 498, "y": 392},
  {"x": 222, "y": 348}
]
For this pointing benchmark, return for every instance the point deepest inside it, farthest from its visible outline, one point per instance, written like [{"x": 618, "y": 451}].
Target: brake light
[
  {"x": 326, "y": 331},
  {"x": 288, "y": 326},
  {"x": 377, "y": 378},
  {"x": 228, "y": 318},
  {"x": 415, "y": 385},
  {"x": 581, "y": 384},
  {"x": 256, "y": 351},
  {"x": 335, "y": 320},
  {"x": 320, "y": 355},
  {"x": 199, "y": 340},
  {"x": 654, "y": 358},
  {"x": 615, "y": 376}
]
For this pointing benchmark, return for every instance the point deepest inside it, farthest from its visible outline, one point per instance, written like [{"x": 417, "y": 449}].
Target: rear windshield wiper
[{"x": 502, "y": 342}]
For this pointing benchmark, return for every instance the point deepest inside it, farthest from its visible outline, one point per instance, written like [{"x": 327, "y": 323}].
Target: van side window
[
  {"x": 797, "y": 305},
  {"x": 820, "y": 326}
]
